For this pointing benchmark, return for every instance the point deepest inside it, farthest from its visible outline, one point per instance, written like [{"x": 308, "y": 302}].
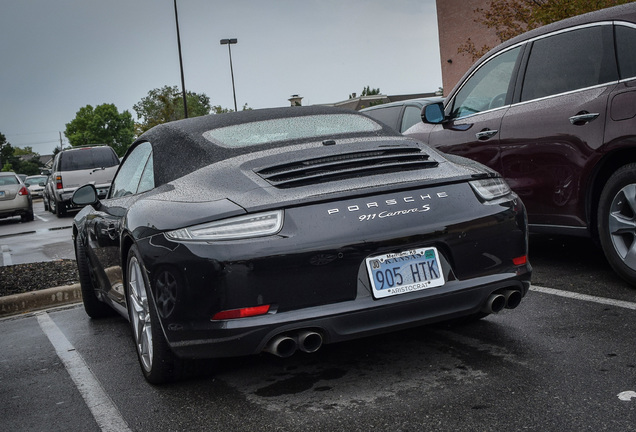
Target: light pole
[
  {"x": 185, "y": 100},
  {"x": 229, "y": 43}
]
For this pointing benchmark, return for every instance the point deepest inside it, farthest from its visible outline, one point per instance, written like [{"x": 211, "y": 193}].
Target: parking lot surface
[
  {"x": 563, "y": 360},
  {"x": 556, "y": 363}
]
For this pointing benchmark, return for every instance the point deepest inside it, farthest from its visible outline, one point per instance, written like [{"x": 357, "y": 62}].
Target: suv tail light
[
  {"x": 23, "y": 191},
  {"x": 58, "y": 182}
]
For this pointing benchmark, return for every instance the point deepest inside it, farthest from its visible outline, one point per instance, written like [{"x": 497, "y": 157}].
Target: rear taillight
[
  {"x": 23, "y": 191},
  {"x": 58, "y": 182},
  {"x": 520, "y": 260}
]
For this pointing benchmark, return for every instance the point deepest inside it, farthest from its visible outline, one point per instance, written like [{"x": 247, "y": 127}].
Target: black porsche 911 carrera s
[{"x": 282, "y": 229}]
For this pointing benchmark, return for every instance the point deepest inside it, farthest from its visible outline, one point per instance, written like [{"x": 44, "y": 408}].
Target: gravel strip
[{"x": 21, "y": 278}]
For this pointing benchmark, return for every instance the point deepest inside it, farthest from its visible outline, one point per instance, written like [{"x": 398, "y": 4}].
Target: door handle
[
  {"x": 486, "y": 134},
  {"x": 583, "y": 118}
]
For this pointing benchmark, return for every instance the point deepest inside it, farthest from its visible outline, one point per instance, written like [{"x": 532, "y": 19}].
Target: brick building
[{"x": 456, "y": 23}]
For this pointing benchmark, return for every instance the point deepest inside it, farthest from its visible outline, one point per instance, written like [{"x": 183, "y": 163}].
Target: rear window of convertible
[{"x": 290, "y": 128}]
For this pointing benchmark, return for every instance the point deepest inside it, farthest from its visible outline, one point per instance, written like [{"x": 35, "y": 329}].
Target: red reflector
[
  {"x": 241, "y": 313},
  {"x": 520, "y": 260}
]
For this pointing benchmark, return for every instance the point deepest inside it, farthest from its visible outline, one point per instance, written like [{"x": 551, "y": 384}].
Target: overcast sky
[{"x": 57, "y": 56}]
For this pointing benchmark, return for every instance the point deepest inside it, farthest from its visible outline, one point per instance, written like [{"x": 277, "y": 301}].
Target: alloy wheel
[
  {"x": 622, "y": 224},
  {"x": 140, "y": 314}
]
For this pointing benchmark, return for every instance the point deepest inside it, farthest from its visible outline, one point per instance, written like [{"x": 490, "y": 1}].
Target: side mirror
[
  {"x": 85, "y": 195},
  {"x": 433, "y": 113}
]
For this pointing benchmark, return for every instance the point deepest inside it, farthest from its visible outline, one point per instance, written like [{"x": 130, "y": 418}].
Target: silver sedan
[{"x": 15, "y": 198}]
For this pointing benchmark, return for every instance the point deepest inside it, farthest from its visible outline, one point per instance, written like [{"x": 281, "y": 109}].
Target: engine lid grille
[{"x": 346, "y": 166}]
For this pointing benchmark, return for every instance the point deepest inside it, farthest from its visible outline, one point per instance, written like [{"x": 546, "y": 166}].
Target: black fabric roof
[{"x": 180, "y": 148}]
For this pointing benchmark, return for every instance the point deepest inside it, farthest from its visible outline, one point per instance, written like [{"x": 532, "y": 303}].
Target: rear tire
[
  {"x": 158, "y": 363},
  {"x": 617, "y": 222},
  {"x": 93, "y": 307},
  {"x": 28, "y": 216},
  {"x": 60, "y": 209}
]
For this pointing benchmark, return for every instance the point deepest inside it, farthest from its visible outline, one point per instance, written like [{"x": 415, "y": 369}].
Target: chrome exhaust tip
[
  {"x": 513, "y": 298},
  {"x": 494, "y": 304},
  {"x": 309, "y": 341},
  {"x": 281, "y": 346}
]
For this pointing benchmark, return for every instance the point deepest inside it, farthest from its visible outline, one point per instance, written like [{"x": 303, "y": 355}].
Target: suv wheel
[
  {"x": 58, "y": 208},
  {"x": 617, "y": 222}
]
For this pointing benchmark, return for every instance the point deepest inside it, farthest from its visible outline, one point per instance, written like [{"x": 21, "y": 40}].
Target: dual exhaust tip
[
  {"x": 309, "y": 341},
  {"x": 284, "y": 345},
  {"x": 497, "y": 301}
]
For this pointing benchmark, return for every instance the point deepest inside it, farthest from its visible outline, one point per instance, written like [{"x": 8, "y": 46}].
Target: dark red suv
[{"x": 554, "y": 111}]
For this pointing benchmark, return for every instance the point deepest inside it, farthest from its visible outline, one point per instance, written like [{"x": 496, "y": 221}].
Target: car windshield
[
  {"x": 88, "y": 158},
  {"x": 34, "y": 181},
  {"x": 290, "y": 128}
]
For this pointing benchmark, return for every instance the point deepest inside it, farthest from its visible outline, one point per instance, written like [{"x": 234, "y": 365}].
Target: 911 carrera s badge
[{"x": 408, "y": 271}]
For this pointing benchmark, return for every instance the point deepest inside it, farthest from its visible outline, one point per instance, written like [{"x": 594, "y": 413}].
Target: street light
[
  {"x": 185, "y": 99},
  {"x": 229, "y": 43}
]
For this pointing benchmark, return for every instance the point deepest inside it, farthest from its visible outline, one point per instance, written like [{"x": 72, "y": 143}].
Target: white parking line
[
  {"x": 584, "y": 297},
  {"x": 6, "y": 256},
  {"x": 104, "y": 411}
]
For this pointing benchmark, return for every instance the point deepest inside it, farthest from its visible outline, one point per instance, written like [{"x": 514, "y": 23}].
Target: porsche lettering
[{"x": 392, "y": 202}]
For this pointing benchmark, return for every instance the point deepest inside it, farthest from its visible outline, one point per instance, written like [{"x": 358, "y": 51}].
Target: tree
[
  {"x": 166, "y": 104},
  {"x": 509, "y": 18},
  {"x": 368, "y": 91},
  {"x": 6, "y": 151},
  {"x": 218, "y": 109},
  {"x": 101, "y": 125},
  {"x": 19, "y": 160}
]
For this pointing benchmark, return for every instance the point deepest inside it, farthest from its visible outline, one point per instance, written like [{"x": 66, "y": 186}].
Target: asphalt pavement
[{"x": 47, "y": 238}]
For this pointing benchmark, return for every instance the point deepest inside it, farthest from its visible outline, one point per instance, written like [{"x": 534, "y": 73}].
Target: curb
[{"x": 22, "y": 303}]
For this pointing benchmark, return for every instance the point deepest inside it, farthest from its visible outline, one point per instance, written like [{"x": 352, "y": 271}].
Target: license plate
[
  {"x": 1, "y": 194},
  {"x": 404, "y": 272}
]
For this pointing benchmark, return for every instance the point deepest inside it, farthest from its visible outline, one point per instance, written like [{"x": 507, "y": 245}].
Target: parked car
[
  {"x": 283, "y": 229},
  {"x": 15, "y": 199},
  {"x": 36, "y": 184},
  {"x": 75, "y": 167},
  {"x": 554, "y": 111},
  {"x": 400, "y": 115}
]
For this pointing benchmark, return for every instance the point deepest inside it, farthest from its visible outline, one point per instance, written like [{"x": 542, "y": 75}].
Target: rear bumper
[
  {"x": 21, "y": 205},
  {"x": 343, "y": 321}
]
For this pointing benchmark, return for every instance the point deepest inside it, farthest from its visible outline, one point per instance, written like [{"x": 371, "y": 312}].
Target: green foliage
[
  {"x": 368, "y": 91},
  {"x": 218, "y": 109},
  {"x": 23, "y": 151},
  {"x": 165, "y": 104},
  {"x": 11, "y": 160},
  {"x": 510, "y": 18},
  {"x": 101, "y": 125}
]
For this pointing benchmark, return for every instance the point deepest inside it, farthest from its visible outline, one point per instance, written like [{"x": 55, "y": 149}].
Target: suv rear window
[{"x": 88, "y": 158}]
